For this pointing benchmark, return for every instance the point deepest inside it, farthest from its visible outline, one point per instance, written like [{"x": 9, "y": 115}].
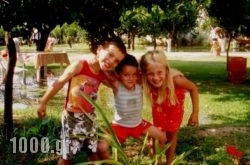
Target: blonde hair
[{"x": 167, "y": 90}]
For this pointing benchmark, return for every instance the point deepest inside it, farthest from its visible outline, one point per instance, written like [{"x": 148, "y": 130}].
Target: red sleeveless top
[
  {"x": 168, "y": 117},
  {"x": 85, "y": 82}
]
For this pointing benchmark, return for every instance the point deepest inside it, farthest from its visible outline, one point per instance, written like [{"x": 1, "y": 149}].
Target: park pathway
[{"x": 171, "y": 55}]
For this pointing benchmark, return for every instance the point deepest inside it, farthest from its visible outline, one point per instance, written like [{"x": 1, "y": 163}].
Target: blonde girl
[{"x": 165, "y": 89}]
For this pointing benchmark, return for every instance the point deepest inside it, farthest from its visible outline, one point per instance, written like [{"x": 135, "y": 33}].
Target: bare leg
[
  {"x": 152, "y": 151},
  {"x": 93, "y": 157},
  {"x": 63, "y": 162},
  {"x": 170, "y": 153},
  {"x": 103, "y": 150},
  {"x": 156, "y": 133},
  {"x": 151, "y": 147}
]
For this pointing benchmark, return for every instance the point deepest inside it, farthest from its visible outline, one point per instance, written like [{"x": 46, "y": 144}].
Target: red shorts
[{"x": 123, "y": 133}]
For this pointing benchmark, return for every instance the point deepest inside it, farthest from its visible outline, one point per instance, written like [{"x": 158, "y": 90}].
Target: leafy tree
[
  {"x": 155, "y": 23},
  {"x": 74, "y": 32},
  {"x": 57, "y": 33},
  {"x": 57, "y": 13},
  {"x": 181, "y": 16},
  {"x": 43, "y": 15},
  {"x": 132, "y": 24},
  {"x": 99, "y": 18},
  {"x": 164, "y": 17}
]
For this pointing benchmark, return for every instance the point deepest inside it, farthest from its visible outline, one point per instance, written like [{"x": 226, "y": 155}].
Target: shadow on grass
[
  {"x": 26, "y": 145},
  {"x": 211, "y": 137},
  {"x": 211, "y": 79}
]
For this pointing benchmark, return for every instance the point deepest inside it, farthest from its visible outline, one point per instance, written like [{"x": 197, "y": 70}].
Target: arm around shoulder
[{"x": 111, "y": 81}]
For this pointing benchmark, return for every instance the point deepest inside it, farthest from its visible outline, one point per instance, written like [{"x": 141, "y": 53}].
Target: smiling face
[
  {"x": 109, "y": 57},
  {"x": 156, "y": 74},
  {"x": 128, "y": 76}
]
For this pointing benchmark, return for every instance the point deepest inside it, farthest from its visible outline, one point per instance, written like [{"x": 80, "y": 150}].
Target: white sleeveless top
[{"x": 128, "y": 106}]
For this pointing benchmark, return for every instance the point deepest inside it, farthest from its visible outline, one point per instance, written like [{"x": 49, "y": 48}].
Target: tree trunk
[
  {"x": 227, "y": 62},
  {"x": 154, "y": 42},
  {"x": 133, "y": 41},
  {"x": 169, "y": 45},
  {"x": 129, "y": 40},
  {"x": 8, "y": 95},
  {"x": 43, "y": 40},
  {"x": 40, "y": 47}
]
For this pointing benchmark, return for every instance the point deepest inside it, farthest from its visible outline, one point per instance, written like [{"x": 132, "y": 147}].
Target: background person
[
  {"x": 35, "y": 37},
  {"x": 217, "y": 37}
]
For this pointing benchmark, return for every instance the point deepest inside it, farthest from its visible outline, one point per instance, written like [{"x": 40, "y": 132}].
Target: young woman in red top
[{"x": 165, "y": 89}]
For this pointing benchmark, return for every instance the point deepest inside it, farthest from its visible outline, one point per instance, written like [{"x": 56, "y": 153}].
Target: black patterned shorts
[{"x": 79, "y": 131}]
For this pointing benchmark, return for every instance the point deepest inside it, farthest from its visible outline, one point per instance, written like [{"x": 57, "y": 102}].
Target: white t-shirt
[{"x": 128, "y": 106}]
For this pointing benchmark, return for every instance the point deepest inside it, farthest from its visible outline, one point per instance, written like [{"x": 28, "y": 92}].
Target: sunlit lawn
[{"x": 222, "y": 105}]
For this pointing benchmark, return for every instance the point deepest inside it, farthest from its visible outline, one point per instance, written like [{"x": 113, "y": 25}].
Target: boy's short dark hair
[
  {"x": 127, "y": 60},
  {"x": 117, "y": 41}
]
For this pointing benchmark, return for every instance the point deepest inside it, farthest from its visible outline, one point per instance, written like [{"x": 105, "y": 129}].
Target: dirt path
[{"x": 171, "y": 55}]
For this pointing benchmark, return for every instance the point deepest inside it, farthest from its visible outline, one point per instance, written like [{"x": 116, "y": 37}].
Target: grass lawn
[{"x": 224, "y": 115}]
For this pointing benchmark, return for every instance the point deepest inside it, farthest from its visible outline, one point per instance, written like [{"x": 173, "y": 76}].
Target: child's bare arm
[
  {"x": 69, "y": 72},
  {"x": 183, "y": 82}
]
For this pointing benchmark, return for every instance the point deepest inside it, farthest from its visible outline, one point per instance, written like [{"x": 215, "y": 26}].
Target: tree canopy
[
  {"x": 98, "y": 17},
  {"x": 233, "y": 16}
]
